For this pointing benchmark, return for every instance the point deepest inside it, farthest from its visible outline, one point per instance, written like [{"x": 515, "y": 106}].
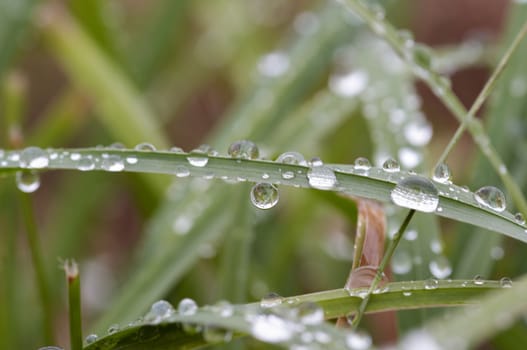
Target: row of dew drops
[{"x": 414, "y": 191}]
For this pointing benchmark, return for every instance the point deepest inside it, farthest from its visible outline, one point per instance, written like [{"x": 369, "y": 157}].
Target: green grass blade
[{"x": 74, "y": 304}]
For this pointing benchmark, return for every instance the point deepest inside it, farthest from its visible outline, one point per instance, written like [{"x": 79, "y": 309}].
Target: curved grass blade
[
  {"x": 243, "y": 319},
  {"x": 455, "y": 202}
]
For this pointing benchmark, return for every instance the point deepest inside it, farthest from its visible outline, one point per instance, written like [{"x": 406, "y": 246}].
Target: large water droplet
[
  {"x": 91, "y": 338},
  {"x": 293, "y": 158},
  {"x": 391, "y": 165},
  {"x": 440, "y": 267},
  {"x": 401, "y": 262},
  {"x": 348, "y": 85},
  {"x": 274, "y": 64},
  {"x": 159, "y": 312},
  {"x": 416, "y": 192},
  {"x": 505, "y": 282},
  {"x": 321, "y": 177},
  {"x": 491, "y": 197},
  {"x": 112, "y": 163},
  {"x": 362, "y": 164},
  {"x": 442, "y": 174},
  {"x": 187, "y": 307},
  {"x": 358, "y": 340},
  {"x": 34, "y": 158},
  {"x": 27, "y": 182},
  {"x": 145, "y": 147},
  {"x": 244, "y": 149},
  {"x": 431, "y": 283},
  {"x": 271, "y": 328},
  {"x": 198, "y": 161},
  {"x": 264, "y": 195},
  {"x": 271, "y": 300}
]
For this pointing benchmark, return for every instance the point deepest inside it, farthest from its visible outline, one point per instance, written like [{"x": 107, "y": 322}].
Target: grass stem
[{"x": 74, "y": 302}]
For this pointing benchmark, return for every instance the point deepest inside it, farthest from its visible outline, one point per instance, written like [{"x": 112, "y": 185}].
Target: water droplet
[
  {"x": 409, "y": 157},
  {"x": 159, "y": 312},
  {"x": 418, "y": 133},
  {"x": 518, "y": 217},
  {"x": 27, "y": 182},
  {"x": 431, "y": 283},
  {"x": 274, "y": 64},
  {"x": 288, "y": 175},
  {"x": 350, "y": 84},
  {"x": 440, "y": 267},
  {"x": 86, "y": 164},
  {"x": 505, "y": 282},
  {"x": 34, "y": 158},
  {"x": 416, "y": 192},
  {"x": 244, "y": 150},
  {"x": 491, "y": 197},
  {"x": 310, "y": 313},
  {"x": 75, "y": 156},
  {"x": 181, "y": 171},
  {"x": 112, "y": 163},
  {"x": 293, "y": 158},
  {"x": 91, "y": 338},
  {"x": 264, "y": 195},
  {"x": 271, "y": 328},
  {"x": 362, "y": 163},
  {"x": 442, "y": 174},
  {"x": 198, "y": 161},
  {"x": 271, "y": 300},
  {"x": 114, "y": 328},
  {"x": 176, "y": 149},
  {"x": 358, "y": 340},
  {"x": 391, "y": 165},
  {"x": 478, "y": 280},
  {"x": 187, "y": 307},
  {"x": 214, "y": 335},
  {"x": 132, "y": 160},
  {"x": 145, "y": 147},
  {"x": 401, "y": 262},
  {"x": 411, "y": 235},
  {"x": 321, "y": 177}
]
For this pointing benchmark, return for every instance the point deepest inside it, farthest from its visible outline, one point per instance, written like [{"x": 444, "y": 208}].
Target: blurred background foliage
[{"x": 183, "y": 73}]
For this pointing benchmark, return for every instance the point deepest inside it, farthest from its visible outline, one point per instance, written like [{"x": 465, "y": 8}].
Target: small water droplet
[
  {"x": 293, "y": 158},
  {"x": 75, "y": 156},
  {"x": 288, "y": 175},
  {"x": 265, "y": 176},
  {"x": 132, "y": 160},
  {"x": 491, "y": 197},
  {"x": 181, "y": 171},
  {"x": 145, "y": 147},
  {"x": 411, "y": 235},
  {"x": 518, "y": 217},
  {"x": 27, "y": 181},
  {"x": 91, "y": 338},
  {"x": 271, "y": 328},
  {"x": 114, "y": 328},
  {"x": 159, "y": 312},
  {"x": 271, "y": 300},
  {"x": 310, "y": 313},
  {"x": 244, "y": 150},
  {"x": 34, "y": 158},
  {"x": 401, "y": 262},
  {"x": 416, "y": 192},
  {"x": 187, "y": 307},
  {"x": 86, "y": 164},
  {"x": 440, "y": 267},
  {"x": 112, "y": 163},
  {"x": 442, "y": 174},
  {"x": 176, "y": 149},
  {"x": 506, "y": 282},
  {"x": 497, "y": 253},
  {"x": 362, "y": 163},
  {"x": 391, "y": 165},
  {"x": 358, "y": 340},
  {"x": 264, "y": 195},
  {"x": 198, "y": 161},
  {"x": 274, "y": 64},
  {"x": 321, "y": 177},
  {"x": 478, "y": 280},
  {"x": 431, "y": 283},
  {"x": 349, "y": 84}
]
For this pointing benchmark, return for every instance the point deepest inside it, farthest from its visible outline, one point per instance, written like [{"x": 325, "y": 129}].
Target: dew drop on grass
[
  {"x": 86, "y": 164},
  {"x": 112, "y": 163},
  {"x": 176, "y": 150},
  {"x": 91, "y": 338},
  {"x": 160, "y": 311},
  {"x": 198, "y": 161},
  {"x": 440, "y": 267},
  {"x": 271, "y": 300},
  {"x": 145, "y": 147},
  {"x": 442, "y": 174},
  {"x": 390, "y": 165},
  {"x": 310, "y": 313},
  {"x": 478, "y": 280},
  {"x": 34, "y": 158},
  {"x": 505, "y": 282},
  {"x": 27, "y": 182},
  {"x": 358, "y": 340},
  {"x": 181, "y": 171},
  {"x": 320, "y": 176},
  {"x": 288, "y": 175},
  {"x": 416, "y": 192},
  {"x": 518, "y": 217},
  {"x": 114, "y": 328},
  {"x": 491, "y": 197},
  {"x": 264, "y": 195},
  {"x": 293, "y": 158},
  {"x": 431, "y": 283},
  {"x": 362, "y": 164},
  {"x": 187, "y": 307},
  {"x": 75, "y": 156},
  {"x": 350, "y": 84},
  {"x": 132, "y": 160},
  {"x": 244, "y": 149},
  {"x": 274, "y": 64},
  {"x": 401, "y": 262}
]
